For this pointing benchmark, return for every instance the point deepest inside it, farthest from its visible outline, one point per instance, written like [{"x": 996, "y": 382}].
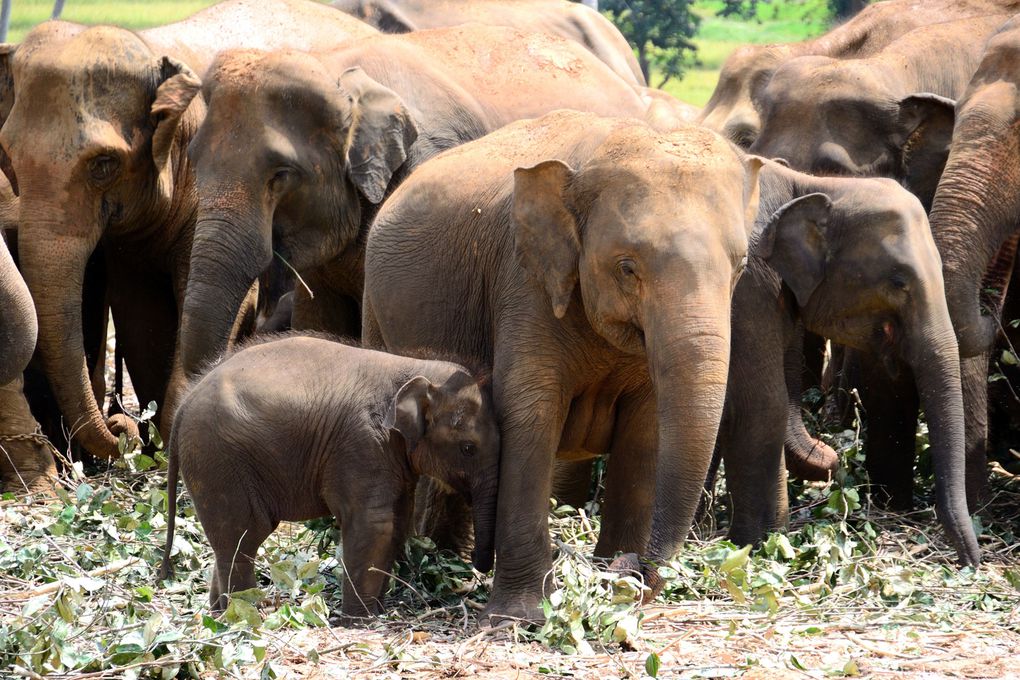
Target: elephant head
[
  {"x": 974, "y": 217},
  {"x": 92, "y": 139},
  {"x": 286, "y": 160},
  {"x": 450, "y": 433},
  {"x": 732, "y": 109},
  {"x": 644, "y": 242},
  {"x": 864, "y": 270},
  {"x": 846, "y": 117}
]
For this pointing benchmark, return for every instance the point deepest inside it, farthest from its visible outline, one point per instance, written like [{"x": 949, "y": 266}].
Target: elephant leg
[
  {"x": 26, "y": 464},
  {"x": 751, "y": 441},
  {"x": 372, "y": 538},
  {"x": 891, "y": 405},
  {"x": 532, "y": 415},
  {"x": 371, "y": 334},
  {"x": 807, "y": 457},
  {"x": 572, "y": 481},
  {"x": 145, "y": 322},
  {"x": 331, "y": 310},
  {"x": 95, "y": 317},
  {"x": 974, "y": 379},
  {"x": 630, "y": 478}
]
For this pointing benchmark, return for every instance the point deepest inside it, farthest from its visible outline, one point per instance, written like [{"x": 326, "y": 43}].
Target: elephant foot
[
  {"x": 517, "y": 608},
  {"x": 815, "y": 464},
  {"x": 630, "y": 564},
  {"x": 121, "y": 423},
  {"x": 27, "y": 467}
]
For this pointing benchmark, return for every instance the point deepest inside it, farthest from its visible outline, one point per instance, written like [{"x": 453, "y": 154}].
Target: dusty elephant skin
[
  {"x": 592, "y": 260},
  {"x": 95, "y": 142},
  {"x": 852, "y": 260},
  {"x": 734, "y": 109},
  {"x": 568, "y": 20},
  {"x": 299, "y": 428},
  {"x": 18, "y": 324},
  {"x": 303, "y": 181}
]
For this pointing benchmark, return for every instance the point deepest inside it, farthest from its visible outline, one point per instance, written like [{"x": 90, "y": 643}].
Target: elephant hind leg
[{"x": 26, "y": 459}]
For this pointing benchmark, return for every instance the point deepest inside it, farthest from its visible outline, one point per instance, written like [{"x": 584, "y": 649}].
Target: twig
[{"x": 55, "y": 585}]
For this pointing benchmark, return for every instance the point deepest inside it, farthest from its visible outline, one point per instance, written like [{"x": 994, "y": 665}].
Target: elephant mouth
[{"x": 995, "y": 282}]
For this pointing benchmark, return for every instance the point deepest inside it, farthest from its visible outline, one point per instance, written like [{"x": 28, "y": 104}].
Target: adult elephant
[
  {"x": 568, "y": 20},
  {"x": 852, "y": 260},
  {"x": 974, "y": 219},
  {"x": 734, "y": 110},
  {"x": 304, "y": 182},
  {"x": 591, "y": 262},
  {"x": 95, "y": 143},
  {"x": 879, "y": 116}
]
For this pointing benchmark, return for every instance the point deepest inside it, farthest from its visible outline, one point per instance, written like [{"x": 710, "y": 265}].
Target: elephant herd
[{"x": 545, "y": 261}]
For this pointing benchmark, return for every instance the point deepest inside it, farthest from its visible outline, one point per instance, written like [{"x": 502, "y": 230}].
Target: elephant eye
[
  {"x": 281, "y": 177},
  {"x": 103, "y": 168},
  {"x": 626, "y": 268},
  {"x": 468, "y": 449}
]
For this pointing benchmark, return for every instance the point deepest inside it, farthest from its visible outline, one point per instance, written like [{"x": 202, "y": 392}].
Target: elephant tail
[{"x": 172, "y": 470}]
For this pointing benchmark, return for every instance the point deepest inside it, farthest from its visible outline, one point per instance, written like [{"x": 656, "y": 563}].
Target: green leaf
[
  {"x": 1009, "y": 358},
  {"x": 652, "y": 665},
  {"x": 735, "y": 560},
  {"x": 143, "y": 462},
  {"x": 239, "y": 611},
  {"x": 83, "y": 492}
]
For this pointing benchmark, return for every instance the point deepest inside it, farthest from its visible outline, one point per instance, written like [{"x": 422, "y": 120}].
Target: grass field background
[{"x": 778, "y": 21}]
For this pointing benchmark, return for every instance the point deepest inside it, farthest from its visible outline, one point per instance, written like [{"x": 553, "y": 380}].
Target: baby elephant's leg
[
  {"x": 235, "y": 529},
  {"x": 372, "y": 538}
]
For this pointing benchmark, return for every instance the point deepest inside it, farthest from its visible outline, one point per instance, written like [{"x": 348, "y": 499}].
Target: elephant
[
  {"x": 666, "y": 112},
  {"x": 94, "y": 143},
  {"x": 974, "y": 222},
  {"x": 556, "y": 17},
  {"x": 852, "y": 260},
  {"x": 590, "y": 261},
  {"x": 303, "y": 185},
  {"x": 882, "y": 116},
  {"x": 734, "y": 109},
  {"x": 300, "y": 427}
]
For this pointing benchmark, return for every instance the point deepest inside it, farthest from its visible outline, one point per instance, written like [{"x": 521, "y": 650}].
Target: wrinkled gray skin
[
  {"x": 298, "y": 428},
  {"x": 592, "y": 261},
  {"x": 305, "y": 181},
  {"x": 881, "y": 116},
  {"x": 734, "y": 110},
  {"x": 852, "y": 260},
  {"x": 556, "y": 17},
  {"x": 94, "y": 140},
  {"x": 974, "y": 220}
]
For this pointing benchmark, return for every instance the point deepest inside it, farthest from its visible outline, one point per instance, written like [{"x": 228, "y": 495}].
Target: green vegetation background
[{"x": 778, "y": 21}]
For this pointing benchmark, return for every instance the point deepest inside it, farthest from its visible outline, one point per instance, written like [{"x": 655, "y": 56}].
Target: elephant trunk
[
  {"x": 227, "y": 257},
  {"x": 483, "y": 508},
  {"x": 974, "y": 228},
  {"x": 18, "y": 324},
  {"x": 54, "y": 268},
  {"x": 936, "y": 366},
  {"x": 688, "y": 359}
]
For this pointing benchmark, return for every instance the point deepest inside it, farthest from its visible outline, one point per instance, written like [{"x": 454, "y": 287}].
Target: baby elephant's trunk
[{"x": 483, "y": 506}]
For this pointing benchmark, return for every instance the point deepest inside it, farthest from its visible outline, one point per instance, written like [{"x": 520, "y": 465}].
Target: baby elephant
[{"x": 302, "y": 427}]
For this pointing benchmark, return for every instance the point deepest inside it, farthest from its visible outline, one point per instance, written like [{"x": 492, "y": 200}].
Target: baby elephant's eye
[
  {"x": 468, "y": 449},
  {"x": 627, "y": 268}
]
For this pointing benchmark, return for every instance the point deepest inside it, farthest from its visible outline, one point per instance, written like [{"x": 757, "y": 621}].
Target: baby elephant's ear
[{"x": 410, "y": 406}]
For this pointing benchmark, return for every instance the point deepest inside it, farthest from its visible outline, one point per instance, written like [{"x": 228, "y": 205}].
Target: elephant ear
[
  {"x": 381, "y": 133},
  {"x": 752, "y": 191},
  {"x": 177, "y": 88},
  {"x": 409, "y": 412},
  {"x": 925, "y": 134},
  {"x": 547, "y": 240},
  {"x": 793, "y": 243},
  {"x": 7, "y": 51}
]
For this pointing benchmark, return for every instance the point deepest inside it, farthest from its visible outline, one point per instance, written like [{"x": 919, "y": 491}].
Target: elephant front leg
[
  {"x": 630, "y": 479},
  {"x": 26, "y": 464},
  {"x": 891, "y": 406},
  {"x": 974, "y": 380},
  {"x": 532, "y": 423},
  {"x": 371, "y": 538}
]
